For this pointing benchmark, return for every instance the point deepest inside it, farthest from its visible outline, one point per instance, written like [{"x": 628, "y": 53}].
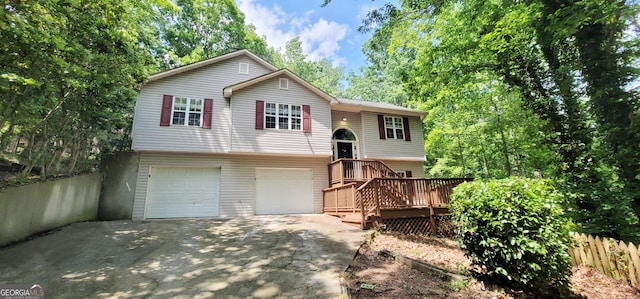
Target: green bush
[{"x": 516, "y": 228}]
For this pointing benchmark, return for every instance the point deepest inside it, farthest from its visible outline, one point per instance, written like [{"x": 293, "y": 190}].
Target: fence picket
[
  {"x": 635, "y": 263},
  {"x": 627, "y": 269},
  {"x": 604, "y": 258},
  {"x": 583, "y": 255},
  {"x": 595, "y": 253}
]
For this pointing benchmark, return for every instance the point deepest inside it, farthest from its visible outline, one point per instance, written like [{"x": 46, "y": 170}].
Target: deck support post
[{"x": 432, "y": 220}]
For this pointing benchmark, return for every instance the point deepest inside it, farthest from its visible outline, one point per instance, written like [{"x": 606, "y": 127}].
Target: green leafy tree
[
  {"x": 68, "y": 74},
  {"x": 533, "y": 88}
]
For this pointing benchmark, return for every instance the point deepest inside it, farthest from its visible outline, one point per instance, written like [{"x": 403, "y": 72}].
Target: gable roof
[
  {"x": 210, "y": 61},
  {"x": 382, "y": 107},
  {"x": 228, "y": 91}
]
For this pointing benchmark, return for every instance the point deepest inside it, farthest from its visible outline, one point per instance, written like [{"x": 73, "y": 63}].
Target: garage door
[
  {"x": 182, "y": 192},
  {"x": 284, "y": 191}
]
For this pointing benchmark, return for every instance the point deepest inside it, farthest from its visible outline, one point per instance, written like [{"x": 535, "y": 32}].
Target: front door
[{"x": 345, "y": 150}]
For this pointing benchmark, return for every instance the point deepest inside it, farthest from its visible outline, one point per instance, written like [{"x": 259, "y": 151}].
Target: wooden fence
[{"x": 615, "y": 259}]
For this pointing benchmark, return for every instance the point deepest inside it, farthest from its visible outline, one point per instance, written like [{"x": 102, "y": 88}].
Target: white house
[{"x": 234, "y": 136}]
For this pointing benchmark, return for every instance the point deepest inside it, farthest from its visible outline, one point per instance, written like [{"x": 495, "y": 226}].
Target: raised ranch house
[{"x": 234, "y": 136}]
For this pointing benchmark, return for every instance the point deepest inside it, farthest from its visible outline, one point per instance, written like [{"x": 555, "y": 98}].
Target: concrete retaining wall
[
  {"x": 35, "y": 208},
  {"x": 119, "y": 186}
]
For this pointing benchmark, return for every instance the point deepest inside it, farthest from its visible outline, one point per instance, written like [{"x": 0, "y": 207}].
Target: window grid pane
[
  {"x": 194, "y": 119},
  {"x": 178, "y": 118},
  {"x": 271, "y": 122},
  {"x": 283, "y": 123},
  {"x": 296, "y": 124},
  {"x": 270, "y": 109},
  {"x": 195, "y": 105}
]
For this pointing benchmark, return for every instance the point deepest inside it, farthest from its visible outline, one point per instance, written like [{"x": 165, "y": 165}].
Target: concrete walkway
[{"x": 256, "y": 257}]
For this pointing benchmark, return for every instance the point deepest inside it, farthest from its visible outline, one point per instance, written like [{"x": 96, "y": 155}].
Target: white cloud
[
  {"x": 320, "y": 38},
  {"x": 267, "y": 21}
]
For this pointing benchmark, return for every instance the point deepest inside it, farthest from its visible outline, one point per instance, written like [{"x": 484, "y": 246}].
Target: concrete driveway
[{"x": 262, "y": 256}]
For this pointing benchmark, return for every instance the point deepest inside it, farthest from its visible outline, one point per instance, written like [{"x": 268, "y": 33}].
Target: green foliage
[
  {"x": 528, "y": 88},
  {"x": 321, "y": 74},
  {"x": 517, "y": 229}
]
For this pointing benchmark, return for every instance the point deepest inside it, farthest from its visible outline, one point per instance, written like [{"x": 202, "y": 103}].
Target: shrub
[{"x": 516, "y": 228}]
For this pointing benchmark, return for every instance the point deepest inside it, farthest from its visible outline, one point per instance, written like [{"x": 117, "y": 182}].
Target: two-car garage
[{"x": 174, "y": 192}]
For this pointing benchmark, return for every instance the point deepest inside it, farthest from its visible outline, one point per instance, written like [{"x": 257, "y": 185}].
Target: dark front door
[{"x": 345, "y": 150}]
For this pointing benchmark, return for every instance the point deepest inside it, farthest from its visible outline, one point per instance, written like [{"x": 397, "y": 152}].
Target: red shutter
[
  {"x": 165, "y": 115},
  {"x": 381, "y": 131},
  {"x": 407, "y": 133},
  {"x": 208, "y": 111},
  {"x": 259, "y": 115},
  {"x": 408, "y": 173},
  {"x": 306, "y": 118}
]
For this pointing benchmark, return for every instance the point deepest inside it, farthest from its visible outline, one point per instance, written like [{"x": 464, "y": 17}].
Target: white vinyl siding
[
  {"x": 203, "y": 83},
  {"x": 246, "y": 139},
  {"x": 416, "y": 168},
  {"x": 395, "y": 149},
  {"x": 237, "y": 177}
]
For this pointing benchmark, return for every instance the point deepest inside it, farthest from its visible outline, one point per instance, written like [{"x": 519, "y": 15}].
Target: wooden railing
[
  {"x": 389, "y": 194},
  {"x": 349, "y": 170},
  {"x": 401, "y": 193},
  {"x": 340, "y": 199}
]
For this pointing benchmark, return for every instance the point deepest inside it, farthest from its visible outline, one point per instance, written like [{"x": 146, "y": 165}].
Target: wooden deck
[{"x": 369, "y": 193}]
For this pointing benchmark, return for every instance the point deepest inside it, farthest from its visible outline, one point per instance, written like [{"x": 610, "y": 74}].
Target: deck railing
[
  {"x": 379, "y": 194},
  {"x": 340, "y": 199},
  {"x": 400, "y": 193},
  {"x": 349, "y": 170}
]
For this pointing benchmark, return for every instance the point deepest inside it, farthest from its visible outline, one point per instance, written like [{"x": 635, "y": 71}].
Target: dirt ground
[{"x": 374, "y": 274}]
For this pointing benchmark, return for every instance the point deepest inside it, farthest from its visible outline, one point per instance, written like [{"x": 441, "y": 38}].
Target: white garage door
[
  {"x": 182, "y": 192},
  {"x": 284, "y": 191}
]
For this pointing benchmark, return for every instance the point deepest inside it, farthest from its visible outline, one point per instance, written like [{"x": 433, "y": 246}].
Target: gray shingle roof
[{"x": 359, "y": 105}]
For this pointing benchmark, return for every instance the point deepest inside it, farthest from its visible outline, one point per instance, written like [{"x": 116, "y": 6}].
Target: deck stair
[{"x": 369, "y": 193}]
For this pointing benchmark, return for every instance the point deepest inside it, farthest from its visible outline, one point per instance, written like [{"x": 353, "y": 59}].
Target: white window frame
[
  {"x": 283, "y": 83},
  {"x": 187, "y": 112},
  {"x": 397, "y": 125},
  {"x": 403, "y": 174},
  {"x": 291, "y": 119},
  {"x": 243, "y": 68}
]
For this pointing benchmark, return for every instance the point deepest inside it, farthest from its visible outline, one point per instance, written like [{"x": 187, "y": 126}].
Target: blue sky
[{"x": 326, "y": 32}]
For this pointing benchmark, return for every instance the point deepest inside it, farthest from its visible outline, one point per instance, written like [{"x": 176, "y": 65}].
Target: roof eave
[
  {"x": 359, "y": 108},
  {"x": 209, "y": 61}
]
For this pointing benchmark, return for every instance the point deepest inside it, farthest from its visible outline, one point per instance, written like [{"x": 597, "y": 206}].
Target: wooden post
[
  {"x": 378, "y": 190},
  {"x": 353, "y": 198},
  {"x": 434, "y": 230},
  {"x": 336, "y": 198},
  {"x": 341, "y": 173}
]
